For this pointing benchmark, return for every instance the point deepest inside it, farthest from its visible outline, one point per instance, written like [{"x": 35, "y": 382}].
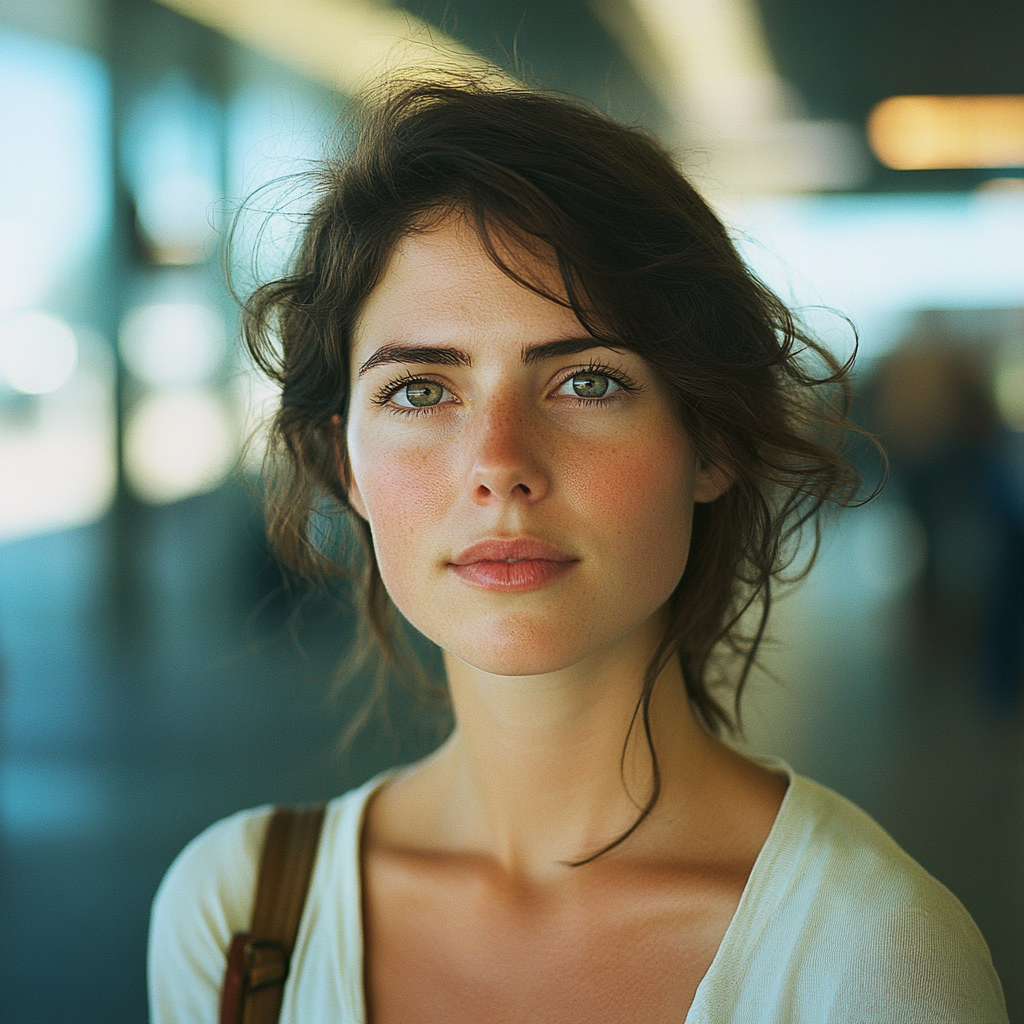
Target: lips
[{"x": 519, "y": 564}]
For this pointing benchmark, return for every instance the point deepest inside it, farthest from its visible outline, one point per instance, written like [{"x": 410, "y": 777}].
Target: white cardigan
[{"x": 836, "y": 925}]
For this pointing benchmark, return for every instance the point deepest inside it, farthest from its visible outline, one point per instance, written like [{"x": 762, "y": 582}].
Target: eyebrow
[
  {"x": 565, "y": 347},
  {"x": 416, "y": 354},
  {"x": 443, "y": 356}
]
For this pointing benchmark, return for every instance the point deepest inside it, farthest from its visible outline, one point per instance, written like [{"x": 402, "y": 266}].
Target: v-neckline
[
  {"x": 755, "y": 884},
  {"x": 354, "y": 964}
]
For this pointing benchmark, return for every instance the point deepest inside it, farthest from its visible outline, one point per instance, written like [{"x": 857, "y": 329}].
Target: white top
[{"x": 836, "y": 925}]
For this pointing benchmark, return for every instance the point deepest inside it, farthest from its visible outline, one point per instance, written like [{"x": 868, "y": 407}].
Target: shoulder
[
  {"x": 893, "y": 941},
  {"x": 205, "y": 897},
  {"x": 839, "y": 923},
  {"x": 854, "y": 867}
]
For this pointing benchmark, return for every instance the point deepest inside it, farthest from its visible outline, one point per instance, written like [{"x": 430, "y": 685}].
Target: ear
[
  {"x": 712, "y": 480},
  {"x": 355, "y": 499}
]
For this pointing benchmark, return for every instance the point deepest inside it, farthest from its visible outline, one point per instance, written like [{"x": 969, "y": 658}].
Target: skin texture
[{"x": 471, "y": 909}]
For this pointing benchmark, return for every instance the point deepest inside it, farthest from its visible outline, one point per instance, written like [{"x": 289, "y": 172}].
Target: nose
[{"x": 507, "y": 461}]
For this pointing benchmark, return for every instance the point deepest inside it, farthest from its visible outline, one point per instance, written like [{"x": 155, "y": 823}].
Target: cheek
[
  {"x": 405, "y": 493},
  {"x": 644, "y": 500}
]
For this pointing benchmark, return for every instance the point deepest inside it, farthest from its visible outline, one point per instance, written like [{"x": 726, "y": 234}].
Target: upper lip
[{"x": 514, "y": 549}]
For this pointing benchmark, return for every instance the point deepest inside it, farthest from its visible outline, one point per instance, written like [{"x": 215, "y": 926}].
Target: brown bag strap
[{"x": 258, "y": 960}]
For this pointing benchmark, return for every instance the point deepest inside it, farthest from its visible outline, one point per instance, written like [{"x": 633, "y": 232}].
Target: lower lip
[{"x": 529, "y": 574}]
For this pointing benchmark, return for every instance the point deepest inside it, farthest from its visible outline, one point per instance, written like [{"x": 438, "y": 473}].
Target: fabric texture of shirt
[{"x": 836, "y": 925}]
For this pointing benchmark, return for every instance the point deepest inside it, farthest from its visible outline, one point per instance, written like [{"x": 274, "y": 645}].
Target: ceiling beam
[{"x": 343, "y": 44}]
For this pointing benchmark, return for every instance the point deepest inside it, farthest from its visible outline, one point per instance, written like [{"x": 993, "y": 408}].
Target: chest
[{"x": 449, "y": 945}]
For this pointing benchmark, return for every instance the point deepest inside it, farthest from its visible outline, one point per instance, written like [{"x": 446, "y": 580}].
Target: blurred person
[
  {"x": 952, "y": 463},
  {"x": 577, "y": 440}
]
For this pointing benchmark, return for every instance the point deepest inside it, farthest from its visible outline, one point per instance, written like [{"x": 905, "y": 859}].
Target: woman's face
[{"x": 529, "y": 491}]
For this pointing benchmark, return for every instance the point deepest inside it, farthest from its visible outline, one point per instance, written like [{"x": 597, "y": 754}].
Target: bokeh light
[
  {"x": 173, "y": 216},
  {"x": 55, "y": 189},
  {"x": 170, "y": 153},
  {"x": 172, "y": 343},
  {"x": 178, "y": 443},
  {"x": 38, "y": 351},
  {"x": 57, "y": 450}
]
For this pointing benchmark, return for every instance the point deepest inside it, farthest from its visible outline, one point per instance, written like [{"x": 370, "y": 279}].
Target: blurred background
[{"x": 157, "y": 671}]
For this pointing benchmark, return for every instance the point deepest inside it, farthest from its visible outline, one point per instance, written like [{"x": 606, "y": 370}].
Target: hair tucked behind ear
[{"x": 646, "y": 266}]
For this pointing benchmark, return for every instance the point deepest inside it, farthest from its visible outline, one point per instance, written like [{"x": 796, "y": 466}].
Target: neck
[{"x": 539, "y": 768}]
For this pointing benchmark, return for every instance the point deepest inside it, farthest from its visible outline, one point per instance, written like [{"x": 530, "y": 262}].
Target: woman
[{"x": 576, "y": 436}]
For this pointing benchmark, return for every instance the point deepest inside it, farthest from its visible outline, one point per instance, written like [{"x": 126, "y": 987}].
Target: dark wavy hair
[{"x": 646, "y": 266}]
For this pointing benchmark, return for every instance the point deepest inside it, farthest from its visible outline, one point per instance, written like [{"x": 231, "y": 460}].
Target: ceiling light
[
  {"x": 912, "y": 133},
  {"x": 341, "y": 43},
  {"x": 710, "y": 62}
]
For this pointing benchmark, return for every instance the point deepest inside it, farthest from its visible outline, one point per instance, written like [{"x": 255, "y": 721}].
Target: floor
[{"x": 151, "y": 681}]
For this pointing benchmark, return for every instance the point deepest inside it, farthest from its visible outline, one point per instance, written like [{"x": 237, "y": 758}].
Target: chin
[
  {"x": 520, "y": 648},
  {"x": 499, "y": 662}
]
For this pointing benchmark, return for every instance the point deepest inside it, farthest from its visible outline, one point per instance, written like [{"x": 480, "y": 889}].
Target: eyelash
[
  {"x": 620, "y": 377},
  {"x": 623, "y": 379},
  {"x": 386, "y": 393}
]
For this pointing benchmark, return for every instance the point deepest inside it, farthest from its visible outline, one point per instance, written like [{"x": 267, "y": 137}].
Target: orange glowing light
[{"x": 910, "y": 133}]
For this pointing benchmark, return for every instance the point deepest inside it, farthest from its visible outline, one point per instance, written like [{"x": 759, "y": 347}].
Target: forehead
[{"x": 441, "y": 287}]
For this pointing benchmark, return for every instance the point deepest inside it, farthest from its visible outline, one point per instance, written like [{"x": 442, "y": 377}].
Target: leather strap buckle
[{"x": 267, "y": 964}]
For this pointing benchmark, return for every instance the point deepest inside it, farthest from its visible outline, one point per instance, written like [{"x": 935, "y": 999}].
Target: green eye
[
  {"x": 419, "y": 394},
  {"x": 591, "y": 385}
]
